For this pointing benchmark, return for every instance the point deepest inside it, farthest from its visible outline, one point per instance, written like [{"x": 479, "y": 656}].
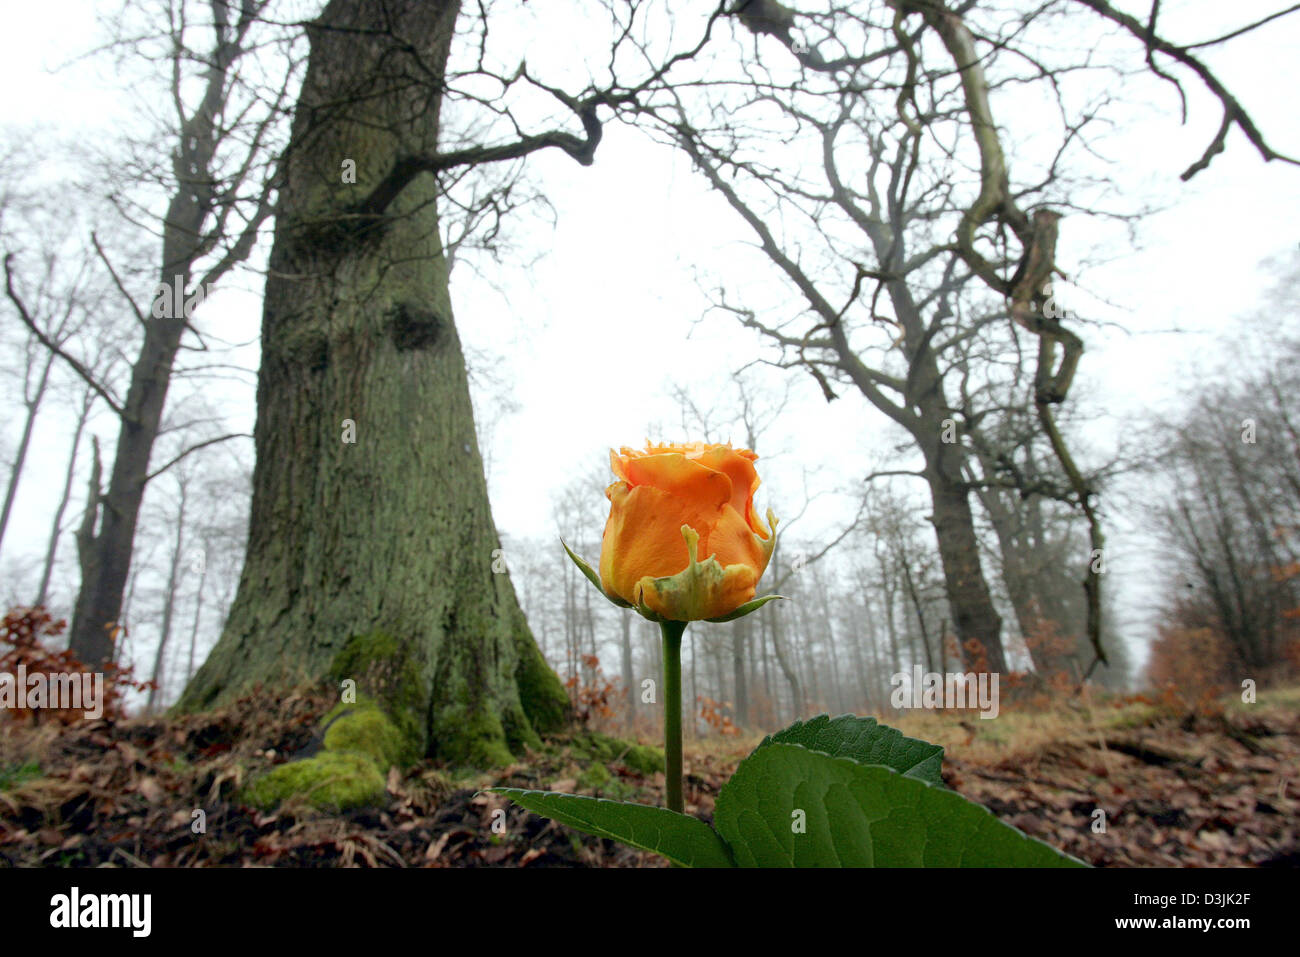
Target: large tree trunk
[
  {"x": 99, "y": 603},
  {"x": 975, "y": 618},
  {"x": 1050, "y": 633},
  {"x": 978, "y": 624},
  {"x": 391, "y": 534}
]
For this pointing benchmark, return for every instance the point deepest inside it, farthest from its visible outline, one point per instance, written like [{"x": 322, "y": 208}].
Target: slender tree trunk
[
  {"x": 570, "y": 633},
  {"x": 888, "y": 590},
  {"x": 878, "y": 675},
  {"x": 695, "y": 692},
  {"x": 837, "y": 684},
  {"x": 739, "y": 637},
  {"x": 629, "y": 680},
  {"x": 87, "y": 554},
  {"x": 198, "y": 614},
  {"x": 169, "y": 606},
  {"x": 764, "y": 631},
  {"x": 120, "y": 655},
  {"x": 920, "y": 614},
  {"x": 753, "y": 636},
  {"x": 861, "y": 673},
  {"x": 100, "y": 602},
  {"x": 787, "y": 667},
  {"x": 861, "y": 636},
  {"x": 390, "y": 534},
  {"x": 589, "y": 619},
  {"x": 804, "y": 650},
  {"x": 52, "y": 547},
  {"x": 33, "y": 405}
]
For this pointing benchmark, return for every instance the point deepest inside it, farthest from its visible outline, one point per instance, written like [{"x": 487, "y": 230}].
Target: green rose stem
[{"x": 672, "y": 633}]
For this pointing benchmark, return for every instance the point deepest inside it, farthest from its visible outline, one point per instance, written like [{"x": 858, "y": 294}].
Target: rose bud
[{"x": 672, "y": 505}]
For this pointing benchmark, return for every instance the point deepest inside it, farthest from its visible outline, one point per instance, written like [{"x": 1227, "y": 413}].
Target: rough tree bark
[{"x": 390, "y": 535}]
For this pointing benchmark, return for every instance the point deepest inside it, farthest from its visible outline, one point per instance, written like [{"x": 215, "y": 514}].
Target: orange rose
[{"x": 672, "y": 505}]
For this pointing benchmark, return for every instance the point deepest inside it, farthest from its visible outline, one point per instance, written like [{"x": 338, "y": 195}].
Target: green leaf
[
  {"x": 860, "y": 815},
  {"x": 681, "y": 838},
  {"x": 867, "y": 742},
  {"x": 593, "y": 577},
  {"x": 746, "y": 608}
]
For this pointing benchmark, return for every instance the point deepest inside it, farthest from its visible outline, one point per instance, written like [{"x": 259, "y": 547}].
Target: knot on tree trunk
[{"x": 413, "y": 327}]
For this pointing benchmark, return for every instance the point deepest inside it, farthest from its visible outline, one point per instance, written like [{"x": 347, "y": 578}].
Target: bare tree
[
  {"x": 218, "y": 185},
  {"x": 1228, "y": 470},
  {"x": 55, "y": 301},
  {"x": 834, "y": 145}
]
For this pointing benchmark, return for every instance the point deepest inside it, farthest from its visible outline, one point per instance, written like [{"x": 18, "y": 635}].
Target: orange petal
[
  {"x": 734, "y": 543},
  {"x": 643, "y": 536},
  {"x": 683, "y": 477},
  {"x": 737, "y": 465}
]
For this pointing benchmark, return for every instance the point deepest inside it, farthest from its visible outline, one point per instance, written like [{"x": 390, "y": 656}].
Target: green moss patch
[
  {"x": 598, "y": 781},
  {"x": 365, "y": 728},
  {"x": 542, "y": 696},
  {"x": 471, "y": 738},
  {"x": 641, "y": 758},
  {"x": 595, "y": 778},
  {"x": 384, "y": 669},
  {"x": 361, "y": 740},
  {"x": 330, "y": 781},
  {"x": 645, "y": 759}
]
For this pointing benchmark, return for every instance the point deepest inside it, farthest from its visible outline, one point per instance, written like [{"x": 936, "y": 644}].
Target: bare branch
[
  {"x": 194, "y": 448},
  {"x": 50, "y": 344}
]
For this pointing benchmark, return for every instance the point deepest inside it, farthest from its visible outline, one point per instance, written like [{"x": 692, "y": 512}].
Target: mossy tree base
[
  {"x": 371, "y": 543},
  {"x": 360, "y": 741}
]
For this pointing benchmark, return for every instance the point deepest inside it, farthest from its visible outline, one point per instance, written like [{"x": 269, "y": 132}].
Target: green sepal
[
  {"x": 745, "y": 609},
  {"x": 594, "y": 578}
]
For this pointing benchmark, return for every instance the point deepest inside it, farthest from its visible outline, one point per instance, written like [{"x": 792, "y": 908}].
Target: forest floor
[{"x": 1195, "y": 790}]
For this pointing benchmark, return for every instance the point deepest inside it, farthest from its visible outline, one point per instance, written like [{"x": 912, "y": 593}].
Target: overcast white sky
[{"x": 593, "y": 333}]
